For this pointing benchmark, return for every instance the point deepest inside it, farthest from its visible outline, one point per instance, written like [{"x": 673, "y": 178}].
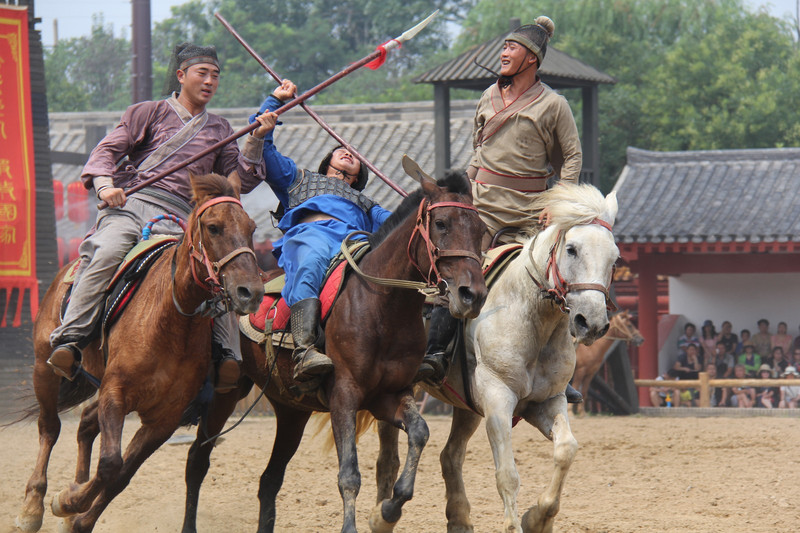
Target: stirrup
[
  {"x": 228, "y": 374},
  {"x": 65, "y": 360},
  {"x": 432, "y": 369},
  {"x": 310, "y": 363}
]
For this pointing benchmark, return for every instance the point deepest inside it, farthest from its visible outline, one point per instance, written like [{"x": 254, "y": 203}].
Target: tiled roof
[
  {"x": 559, "y": 69},
  {"x": 382, "y": 132},
  {"x": 709, "y": 196}
]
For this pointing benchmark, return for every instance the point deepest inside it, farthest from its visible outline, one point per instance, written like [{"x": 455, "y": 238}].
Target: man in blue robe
[{"x": 320, "y": 209}]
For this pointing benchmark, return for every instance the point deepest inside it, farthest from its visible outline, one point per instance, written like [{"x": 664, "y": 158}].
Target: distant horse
[
  {"x": 589, "y": 359},
  {"x": 375, "y": 337},
  {"x": 158, "y": 356},
  {"x": 521, "y": 354}
]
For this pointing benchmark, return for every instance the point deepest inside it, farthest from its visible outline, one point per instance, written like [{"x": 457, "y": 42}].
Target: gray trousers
[{"x": 118, "y": 229}]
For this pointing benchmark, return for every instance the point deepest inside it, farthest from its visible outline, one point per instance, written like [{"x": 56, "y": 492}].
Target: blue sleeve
[
  {"x": 281, "y": 171},
  {"x": 378, "y": 215}
]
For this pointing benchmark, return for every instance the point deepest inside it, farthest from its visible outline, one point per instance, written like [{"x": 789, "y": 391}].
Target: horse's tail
[
  {"x": 321, "y": 422},
  {"x": 70, "y": 394}
]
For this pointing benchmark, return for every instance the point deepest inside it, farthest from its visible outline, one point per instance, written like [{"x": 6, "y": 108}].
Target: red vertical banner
[{"x": 17, "y": 175}]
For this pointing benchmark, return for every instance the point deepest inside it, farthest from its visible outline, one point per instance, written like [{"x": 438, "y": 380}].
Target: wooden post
[
  {"x": 705, "y": 392},
  {"x": 441, "y": 128},
  {"x": 648, "y": 325}
]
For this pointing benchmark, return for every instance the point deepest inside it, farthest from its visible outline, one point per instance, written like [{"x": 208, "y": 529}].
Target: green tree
[
  {"x": 310, "y": 40},
  {"x": 675, "y": 62},
  {"x": 89, "y": 73}
]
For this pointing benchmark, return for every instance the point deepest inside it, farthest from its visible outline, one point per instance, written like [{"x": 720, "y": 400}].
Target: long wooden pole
[{"x": 319, "y": 120}]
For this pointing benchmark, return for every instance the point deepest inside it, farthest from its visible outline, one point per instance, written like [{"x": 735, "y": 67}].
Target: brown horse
[
  {"x": 158, "y": 356},
  {"x": 589, "y": 359},
  {"x": 375, "y": 337}
]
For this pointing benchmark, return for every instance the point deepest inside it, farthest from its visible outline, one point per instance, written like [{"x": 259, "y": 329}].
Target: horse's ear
[
  {"x": 413, "y": 169},
  {"x": 611, "y": 208},
  {"x": 236, "y": 183}
]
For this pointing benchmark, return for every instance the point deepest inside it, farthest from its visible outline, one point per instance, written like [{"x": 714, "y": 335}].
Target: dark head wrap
[
  {"x": 184, "y": 56},
  {"x": 363, "y": 172},
  {"x": 535, "y": 36}
]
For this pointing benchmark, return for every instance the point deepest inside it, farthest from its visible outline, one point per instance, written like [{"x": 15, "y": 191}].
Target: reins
[
  {"x": 421, "y": 230},
  {"x": 558, "y": 293},
  {"x": 197, "y": 254}
]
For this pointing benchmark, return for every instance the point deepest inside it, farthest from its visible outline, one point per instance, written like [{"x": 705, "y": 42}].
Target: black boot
[
  {"x": 228, "y": 372},
  {"x": 434, "y": 364},
  {"x": 573, "y": 396},
  {"x": 308, "y": 361}
]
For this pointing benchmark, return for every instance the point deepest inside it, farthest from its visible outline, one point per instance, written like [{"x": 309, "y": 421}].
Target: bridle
[
  {"x": 558, "y": 293},
  {"x": 422, "y": 229},
  {"x": 197, "y": 254}
]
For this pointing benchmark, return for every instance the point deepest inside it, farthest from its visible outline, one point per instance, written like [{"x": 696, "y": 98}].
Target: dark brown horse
[
  {"x": 158, "y": 357},
  {"x": 375, "y": 337}
]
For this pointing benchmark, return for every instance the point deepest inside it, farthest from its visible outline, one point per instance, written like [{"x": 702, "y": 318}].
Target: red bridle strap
[
  {"x": 422, "y": 228},
  {"x": 198, "y": 253}
]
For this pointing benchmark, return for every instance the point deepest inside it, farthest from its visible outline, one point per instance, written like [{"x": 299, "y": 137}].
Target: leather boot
[
  {"x": 228, "y": 372},
  {"x": 434, "y": 364},
  {"x": 64, "y": 360},
  {"x": 573, "y": 396},
  {"x": 308, "y": 360}
]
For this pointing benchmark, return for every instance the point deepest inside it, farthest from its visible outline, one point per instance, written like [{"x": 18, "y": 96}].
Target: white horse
[{"x": 521, "y": 354}]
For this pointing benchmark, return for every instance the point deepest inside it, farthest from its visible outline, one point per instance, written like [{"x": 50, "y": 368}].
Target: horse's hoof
[
  {"x": 533, "y": 521},
  {"x": 55, "y": 505},
  {"x": 376, "y": 522},
  {"x": 29, "y": 523}
]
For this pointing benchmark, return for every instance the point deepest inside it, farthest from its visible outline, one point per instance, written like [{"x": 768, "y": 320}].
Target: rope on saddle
[{"x": 147, "y": 230}]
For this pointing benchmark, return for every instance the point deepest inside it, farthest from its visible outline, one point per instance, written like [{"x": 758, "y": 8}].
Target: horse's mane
[
  {"x": 571, "y": 205},
  {"x": 453, "y": 181},
  {"x": 211, "y": 186}
]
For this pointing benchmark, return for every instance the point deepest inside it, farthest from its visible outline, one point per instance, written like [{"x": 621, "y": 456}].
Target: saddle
[
  {"x": 126, "y": 279},
  {"x": 272, "y": 318}
]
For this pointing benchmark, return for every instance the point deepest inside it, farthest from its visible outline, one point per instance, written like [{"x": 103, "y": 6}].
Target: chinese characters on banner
[{"x": 17, "y": 176}]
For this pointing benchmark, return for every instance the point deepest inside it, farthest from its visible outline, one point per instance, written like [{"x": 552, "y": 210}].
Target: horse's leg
[
  {"x": 345, "y": 399},
  {"x": 384, "y": 517},
  {"x": 45, "y": 385},
  {"x": 78, "y": 498},
  {"x": 147, "y": 440},
  {"x": 463, "y": 426},
  {"x": 288, "y": 434},
  {"x": 499, "y": 404},
  {"x": 198, "y": 459},
  {"x": 87, "y": 431},
  {"x": 551, "y": 419},
  {"x": 388, "y": 463}
]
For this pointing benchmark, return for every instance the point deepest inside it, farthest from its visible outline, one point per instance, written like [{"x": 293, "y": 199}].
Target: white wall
[{"x": 740, "y": 298}]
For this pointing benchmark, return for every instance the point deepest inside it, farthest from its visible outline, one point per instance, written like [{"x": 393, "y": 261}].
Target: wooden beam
[
  {"x": 648, "y": 325},
  {"x": 591, "y": 134}
]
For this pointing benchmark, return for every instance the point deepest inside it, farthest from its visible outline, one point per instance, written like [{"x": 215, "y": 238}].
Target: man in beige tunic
[{"x": 524, "y": 134}]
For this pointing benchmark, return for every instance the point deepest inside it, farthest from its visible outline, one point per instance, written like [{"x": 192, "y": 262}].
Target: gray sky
[{"x": 75, "y": 18}]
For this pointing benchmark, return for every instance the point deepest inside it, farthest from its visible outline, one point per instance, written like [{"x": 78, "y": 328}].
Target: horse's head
[
  {"x": 450, "y": 247},
  {"x": 220, "y": 237},
  {"x": 581, "y": 256},
  {"x": 622, "y": 328}
]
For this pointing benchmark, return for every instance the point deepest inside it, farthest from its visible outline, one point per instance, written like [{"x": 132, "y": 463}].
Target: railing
[{"x": 704, "y": 384}]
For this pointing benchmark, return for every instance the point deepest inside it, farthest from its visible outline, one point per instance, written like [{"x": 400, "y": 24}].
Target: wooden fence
[{"x": 704, "y": 384}]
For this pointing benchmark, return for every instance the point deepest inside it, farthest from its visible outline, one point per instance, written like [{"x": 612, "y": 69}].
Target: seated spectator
[
  {"x": 766, "y": 396},
  {"x": 750, "y": 360},
  {"x": 788, "y": 360},
  {"x": 744, "y": 338},
  {"x": 782, "y": 338},
  {"x": 777, "y": 353},
  {"x": 763, "y": 339},
  {"x": 723, "y": 360},
  {"x": 794, "y": 358},
  {"x": 728, "y": 337},
  {"x": 688, "y": 364},
  {"x": 708, "y": 339},
  {"x": 718, "y": 396},
  {"x": 796, "y": 343},
  {"x": 790, "y": 394},
  {"x": 742, "y": 396},
  {"x": 665, "y": 396},
  {"x": 689, "y": 337}
]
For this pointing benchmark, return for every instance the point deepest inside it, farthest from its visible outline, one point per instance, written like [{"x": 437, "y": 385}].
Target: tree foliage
[
  {"x": 691, "y": 74},
  {"x": 89, "y": 73}
]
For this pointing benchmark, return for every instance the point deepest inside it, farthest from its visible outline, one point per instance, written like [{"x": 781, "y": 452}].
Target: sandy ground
[{"x": 631, "y": 474}]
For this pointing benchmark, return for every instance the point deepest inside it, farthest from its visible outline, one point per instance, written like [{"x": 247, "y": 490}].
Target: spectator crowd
[{"x": 723, "y": 355}]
